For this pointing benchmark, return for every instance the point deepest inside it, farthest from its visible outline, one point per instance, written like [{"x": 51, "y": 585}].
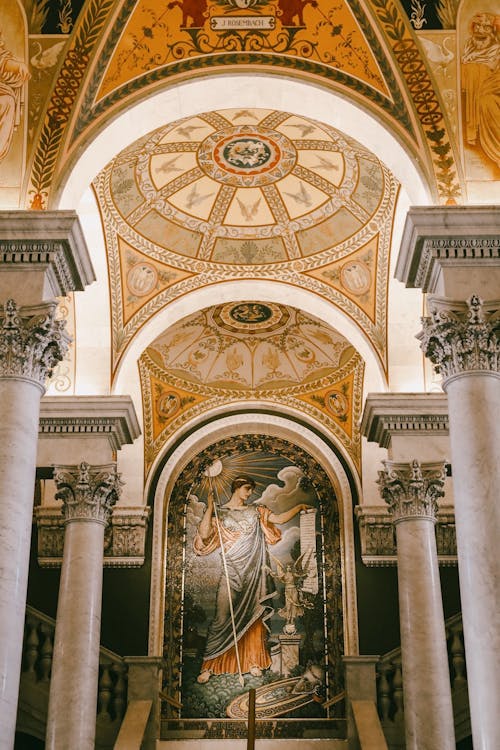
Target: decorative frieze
[
  {"x": 412, "y": 490},
  {"x": 32, "y": 341},
  {"x": 461, "y": 337},
  {"x": 124, "y": 537},
  {"x": 378, "y": 539},
  {"x": 88, "y": 493}
]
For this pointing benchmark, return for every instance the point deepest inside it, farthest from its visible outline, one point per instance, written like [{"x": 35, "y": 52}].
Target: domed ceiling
[
  {"x": 246, "y": 193},
  {"x": 250, "y": 351}
]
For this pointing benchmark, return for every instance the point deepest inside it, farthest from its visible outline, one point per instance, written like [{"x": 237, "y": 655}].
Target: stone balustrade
[
  {"x": 38, "y": 647},
  {"x": 390, "y": 687}
]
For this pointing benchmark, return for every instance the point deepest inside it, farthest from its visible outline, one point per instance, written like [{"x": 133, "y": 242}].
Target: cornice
[
  {"x": 388, "y": 414},
  {"x": 74, "y": 416},
  {"x": 439, "y": 236},
  {"x": 49, "y": 240}
]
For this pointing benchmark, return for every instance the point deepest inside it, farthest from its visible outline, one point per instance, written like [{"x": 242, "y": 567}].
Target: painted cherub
[{"x": 291, "y": 576}]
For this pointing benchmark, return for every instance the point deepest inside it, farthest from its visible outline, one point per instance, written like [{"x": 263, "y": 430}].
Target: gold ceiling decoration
[
  {"x": 246, "y": 193},
  {"x": 243, "y": 351}
]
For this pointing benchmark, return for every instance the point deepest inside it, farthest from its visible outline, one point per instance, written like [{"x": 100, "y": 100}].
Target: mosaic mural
[
  {"x": 246, "y": 193},
  {"x": 251, "y": 351},
  {"x": 253, "y": 593}
]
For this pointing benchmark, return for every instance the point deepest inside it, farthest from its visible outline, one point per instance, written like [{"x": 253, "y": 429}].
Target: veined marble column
[
  {"x": 462, "y": 340},
  {"x": 88, "y": 494},
  {"x": 32, "y": 342},
  {"x": 411, "y": 491}
]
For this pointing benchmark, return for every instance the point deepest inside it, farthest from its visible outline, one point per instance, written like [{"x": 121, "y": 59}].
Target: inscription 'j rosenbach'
[{"x": 220, "y": 23}]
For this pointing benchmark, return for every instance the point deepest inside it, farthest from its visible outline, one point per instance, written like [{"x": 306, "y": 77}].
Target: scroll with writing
[{"x": 308, "y": 550}]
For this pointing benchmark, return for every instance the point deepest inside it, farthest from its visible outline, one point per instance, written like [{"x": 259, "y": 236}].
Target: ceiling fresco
[
  {"x": 118, "y": 51},
  {"x": 246, "y": 193},
  {"x": 250, "y": 351}
]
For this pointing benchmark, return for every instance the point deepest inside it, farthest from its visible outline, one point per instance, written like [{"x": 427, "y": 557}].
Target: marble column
[
  {"x": 88, "y": 494},
  {"x": 32, "y": 342},
  {"x": 462, "y": 340},
  {"x": 411, "y": 491}
]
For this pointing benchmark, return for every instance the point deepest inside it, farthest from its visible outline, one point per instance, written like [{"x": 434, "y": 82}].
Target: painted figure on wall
[
  {"x": 13, "y": 75},
  {"x": 237, "y": 636},
  {"x": 250, "y": 601},
  {"x": 481, "y": 84}
]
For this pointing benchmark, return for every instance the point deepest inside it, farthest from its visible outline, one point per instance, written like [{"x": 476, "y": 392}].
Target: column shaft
[
  {"x": 88, "y": 494},
  {"x": 20, "y": 401},
  {"x": 474, "y": 409},
  {"x": 75, "y": 670},
  {"x": 427, "y": 692}
]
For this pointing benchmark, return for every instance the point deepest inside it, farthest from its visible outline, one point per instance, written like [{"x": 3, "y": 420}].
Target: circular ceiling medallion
[
  {"x": 247, "y": 156},
  {"x": 355, "y": 277},
  {"x": 142, "y": 279},
  {"x": 250, "y": 317}
]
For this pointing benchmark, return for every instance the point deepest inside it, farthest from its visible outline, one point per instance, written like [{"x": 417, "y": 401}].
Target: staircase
[
  {"x": 113, "y": 694},
  {"x": 390, "y": 688}
]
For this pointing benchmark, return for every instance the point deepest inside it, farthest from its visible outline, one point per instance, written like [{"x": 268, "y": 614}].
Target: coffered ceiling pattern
[
  {"x": 250, "y": 351},
  {"x": 246, "y": 193}
]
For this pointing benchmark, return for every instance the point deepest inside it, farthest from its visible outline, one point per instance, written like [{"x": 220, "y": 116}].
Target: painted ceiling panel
[
  {"x": 326, "y": 31},
  {"x": 235, "y": 352},
  {"x": 246, "y": 193}
]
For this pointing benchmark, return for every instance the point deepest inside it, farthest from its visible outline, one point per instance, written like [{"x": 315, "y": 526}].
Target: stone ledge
[
  {"x": 113, "y": 417},
  {"x": 124, "y": 538},
  {"x": 387, "y": 414},
  {"x": 47, "y": 240},
  {"x": 378, "y": 541},
  {"x": 438, "y": 236}
]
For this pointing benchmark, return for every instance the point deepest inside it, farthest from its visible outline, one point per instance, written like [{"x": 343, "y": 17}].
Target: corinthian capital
[
  {"x": 411, "y": 490},
  {"x": 87, "y": 492},
  {"x": 32, "y": 341},
  {"x": 463, "y": 337}
]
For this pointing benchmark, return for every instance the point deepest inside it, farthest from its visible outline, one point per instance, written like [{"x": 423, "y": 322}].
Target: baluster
[
  {"x": 46, "y": 650},
  {"x": 104, "y": 695},
  {"x": 31, "y": 643},
  {"x": 458, "y": 657},
  {"x": 397, "y": 688},
  {"x": 120, "y": 692},
  {"x": 384, "y": 691}
]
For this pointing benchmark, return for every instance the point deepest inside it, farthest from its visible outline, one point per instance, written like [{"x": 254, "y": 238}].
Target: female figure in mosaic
[
  {"x": 13, "y": 75},
  {"x": 236, "y": 641}
]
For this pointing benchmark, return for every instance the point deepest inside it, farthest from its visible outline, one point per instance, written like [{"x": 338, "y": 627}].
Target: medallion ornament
[
  {"x": 461, "y": 338},
  {"x": 32, "y": 342},
  {"x": 411, "y": 490},
  {"x": 88, "y": 493}
]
